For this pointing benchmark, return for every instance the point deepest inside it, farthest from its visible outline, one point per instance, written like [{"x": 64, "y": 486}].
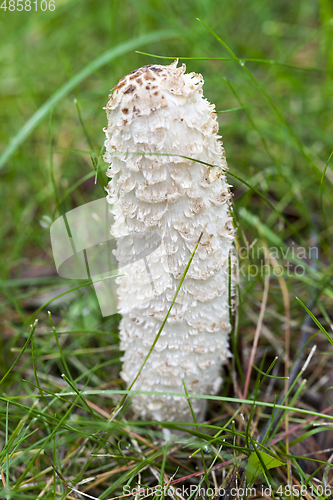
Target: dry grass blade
[{"x": 257, "y": 335}]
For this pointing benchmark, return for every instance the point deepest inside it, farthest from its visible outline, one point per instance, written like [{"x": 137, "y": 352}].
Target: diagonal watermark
[{"x": 84, "y": 248}]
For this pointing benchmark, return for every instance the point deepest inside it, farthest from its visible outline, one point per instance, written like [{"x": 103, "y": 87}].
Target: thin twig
[{"x": 257, "y": 334}]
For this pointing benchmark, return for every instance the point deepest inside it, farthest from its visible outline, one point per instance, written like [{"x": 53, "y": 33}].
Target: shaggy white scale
[{"x": 156, "y": 116}]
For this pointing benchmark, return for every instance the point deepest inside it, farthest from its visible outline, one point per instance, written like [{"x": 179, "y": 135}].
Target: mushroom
[{"x": 167, "y": 175}]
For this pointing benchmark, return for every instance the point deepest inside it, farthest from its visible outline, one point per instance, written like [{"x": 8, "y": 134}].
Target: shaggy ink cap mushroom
[{"x": 157, "y": 115}]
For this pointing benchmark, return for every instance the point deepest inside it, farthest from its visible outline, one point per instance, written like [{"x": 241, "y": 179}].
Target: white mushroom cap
[{"x": 156, "y": 116}]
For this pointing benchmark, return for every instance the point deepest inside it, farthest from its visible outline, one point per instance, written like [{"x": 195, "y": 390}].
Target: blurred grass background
[{"x": 275, "y": 115}]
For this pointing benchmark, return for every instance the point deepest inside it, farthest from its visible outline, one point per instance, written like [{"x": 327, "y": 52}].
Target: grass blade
[{"x": 89, "y": 69}]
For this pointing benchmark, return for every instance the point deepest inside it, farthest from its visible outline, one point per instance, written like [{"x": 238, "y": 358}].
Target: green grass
[{"x": 268, "y": 67}]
